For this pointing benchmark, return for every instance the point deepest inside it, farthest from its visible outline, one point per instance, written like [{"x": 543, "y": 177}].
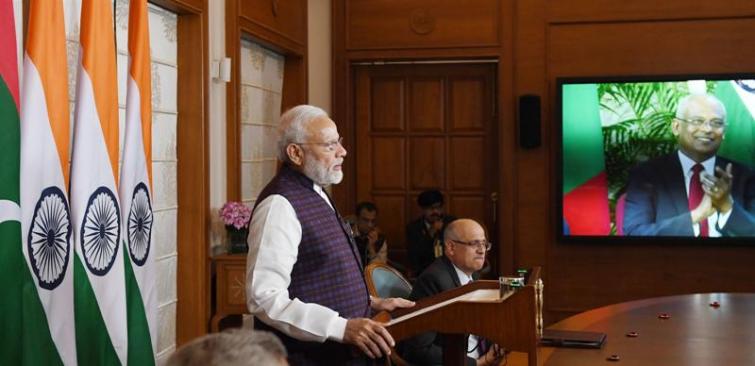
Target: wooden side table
[{"x": 230, "y": 287}]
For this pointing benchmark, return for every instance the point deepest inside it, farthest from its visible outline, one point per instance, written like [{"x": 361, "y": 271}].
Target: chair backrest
[{"x": 385, "y": 281}]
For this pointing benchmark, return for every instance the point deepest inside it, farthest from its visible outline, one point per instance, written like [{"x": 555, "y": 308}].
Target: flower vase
[{"x": 238, "y": 240}]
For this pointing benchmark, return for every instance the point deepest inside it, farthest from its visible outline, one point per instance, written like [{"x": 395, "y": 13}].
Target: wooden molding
[
  {"x": 239, "y": 26},
  {"x": 233, "y": 107},
  {"x": 193, "y": 310}
]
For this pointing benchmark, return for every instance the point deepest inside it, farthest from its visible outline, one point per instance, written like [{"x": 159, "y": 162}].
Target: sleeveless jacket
[{"x": 328, "y": 268}]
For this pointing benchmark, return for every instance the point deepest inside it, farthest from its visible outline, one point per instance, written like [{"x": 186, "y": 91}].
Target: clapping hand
[
  {"x": 718, "y": 187},
  {"x": 703, "y": 210}
]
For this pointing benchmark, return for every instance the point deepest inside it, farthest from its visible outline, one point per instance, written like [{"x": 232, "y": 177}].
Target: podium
[{"x": 511, "y": 319}]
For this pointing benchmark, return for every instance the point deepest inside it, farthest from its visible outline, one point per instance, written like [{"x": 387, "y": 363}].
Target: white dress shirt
[
  {"x": 472, "y": 341},
  {"x": 274, "y": 237},
  {"x": 709, "y": 167}
]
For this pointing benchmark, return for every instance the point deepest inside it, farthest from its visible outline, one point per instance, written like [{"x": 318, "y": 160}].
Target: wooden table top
[{"x": 695, "y": 334}]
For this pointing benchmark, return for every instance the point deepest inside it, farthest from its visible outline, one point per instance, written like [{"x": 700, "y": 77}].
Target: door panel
[
  {"x": 465, "y": 174},
  {"x": 467, "y": 104},
  {"x": 426, "y": 105},
  {"x": 388, "y": 176},
  {"x": 426, "y": 162},
  {"x": 423, "y": 127},
  {"x": 389, "y": 114}
]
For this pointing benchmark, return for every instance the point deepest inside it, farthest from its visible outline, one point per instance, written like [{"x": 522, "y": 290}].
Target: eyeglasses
[
  {"x": 482, "y": 244},
  {"x": 329, "y": 146},
  {"x": 714, "y": 123}
]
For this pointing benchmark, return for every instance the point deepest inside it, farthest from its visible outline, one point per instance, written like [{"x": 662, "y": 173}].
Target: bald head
[{"x": 465, "y": 242}]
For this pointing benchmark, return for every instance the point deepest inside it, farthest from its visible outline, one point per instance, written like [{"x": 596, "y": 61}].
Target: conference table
[{"x": 696, "y": 329}]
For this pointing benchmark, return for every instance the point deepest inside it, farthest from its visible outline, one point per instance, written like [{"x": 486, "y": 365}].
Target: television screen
[{"x": 666, "y": 157}]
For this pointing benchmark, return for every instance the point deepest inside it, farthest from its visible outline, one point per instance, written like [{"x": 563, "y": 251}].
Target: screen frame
[{"x": 558, "y": 216}]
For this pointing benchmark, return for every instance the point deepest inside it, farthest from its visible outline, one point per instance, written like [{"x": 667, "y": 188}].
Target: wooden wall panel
[
  {"x": 386, "y": 24},
  {"x": 428, "y": 153},
  {"x": 426, "y": 105},
  {"x": 394, "y": 231},
  {"x": 467, "y": 207},
  {"x": 285, "y": 18},
  {"x": 582, "y": 275},
  {"x": 388, "y": 154},
  {"x": 389, "y": 115},
  {"x": 467, "y": 99},
  {"x": 694, "y": 46},
  {"x": 467, "y": 164},
  {"x": 643, "y": 10},
  {"x": 538, "y": 41}
]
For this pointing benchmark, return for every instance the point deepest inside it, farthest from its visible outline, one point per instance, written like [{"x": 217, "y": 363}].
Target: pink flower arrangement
[{"x": 235, "y": 214}]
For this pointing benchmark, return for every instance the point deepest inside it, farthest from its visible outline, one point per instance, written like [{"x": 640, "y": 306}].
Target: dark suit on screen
[
  {"x": 427, "y": 348},
  {"x": 656, "y": 200}
]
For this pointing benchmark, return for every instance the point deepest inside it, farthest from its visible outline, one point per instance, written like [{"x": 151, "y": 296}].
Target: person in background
[
  {"x": 234, "y": 347},
  {"x": 371, "y": 242},
  {"x": 304, "y": 278},
  {"x": 692, "y": 191},
  {"x": 465, "y": 249},
  {"x": 424, "y": 236}
]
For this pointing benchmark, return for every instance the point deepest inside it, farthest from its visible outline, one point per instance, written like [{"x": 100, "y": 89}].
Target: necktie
[{"x": 696, "y": 196}]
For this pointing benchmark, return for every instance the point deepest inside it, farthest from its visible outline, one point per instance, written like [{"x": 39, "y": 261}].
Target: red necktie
[{"x": 696, "y": 196}]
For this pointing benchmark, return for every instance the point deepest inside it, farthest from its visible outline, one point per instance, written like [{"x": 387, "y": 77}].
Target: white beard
[{"x": 321, "y": 175}]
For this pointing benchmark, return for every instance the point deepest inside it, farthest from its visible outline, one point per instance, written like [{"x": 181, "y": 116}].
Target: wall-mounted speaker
[{"x": 528, "y": 121}]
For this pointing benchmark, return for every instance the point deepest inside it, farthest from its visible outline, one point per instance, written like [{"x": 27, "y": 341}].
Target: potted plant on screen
[{"x": 236, "y": 216}]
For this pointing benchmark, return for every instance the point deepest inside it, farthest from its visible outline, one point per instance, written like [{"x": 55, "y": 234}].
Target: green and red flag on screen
[
  {"x": 739, "y": 98},
  {"x": 585, "y": 186}
]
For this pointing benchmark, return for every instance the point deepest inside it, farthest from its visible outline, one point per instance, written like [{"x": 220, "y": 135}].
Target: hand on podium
[
  {"x": 389, "y": 304},
  {"x": 370, "y": 336}
]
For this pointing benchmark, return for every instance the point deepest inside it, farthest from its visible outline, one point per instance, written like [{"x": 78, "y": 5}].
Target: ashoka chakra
[
  {"x": 49, "y": 239},
  {"x": 139, "y": 227},
  {"x": 100, "y": 231}
]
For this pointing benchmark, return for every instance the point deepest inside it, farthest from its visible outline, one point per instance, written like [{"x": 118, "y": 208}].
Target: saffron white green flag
[
  {"x": 136, "y": 194},
  {"x": 99, "y": 281},
  {"x": 45, "y": 211}
]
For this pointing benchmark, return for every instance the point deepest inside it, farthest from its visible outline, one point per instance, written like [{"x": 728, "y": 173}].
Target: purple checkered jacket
[{"x": 328, "y": 270}]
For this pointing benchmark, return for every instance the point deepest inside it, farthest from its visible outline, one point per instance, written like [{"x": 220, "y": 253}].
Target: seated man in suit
[
  {"x": 371, "y": 242},
  {"x": 424, "y": 236},
  {"x": 692, "y": 191},
  {"x": 465, "y": 249}
]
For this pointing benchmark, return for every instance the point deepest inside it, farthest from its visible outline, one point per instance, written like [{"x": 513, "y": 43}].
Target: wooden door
[{"x": 425, "y": 126}]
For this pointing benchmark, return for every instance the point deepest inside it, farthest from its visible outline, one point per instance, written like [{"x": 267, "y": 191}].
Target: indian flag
[
  {"x": 136, "y": 194},
  {"x": 585, "y": 186},
  {"x": 99, "y": 290},
  {"x": 45, "y": 210},
  {"x": 739, "y": 98}
]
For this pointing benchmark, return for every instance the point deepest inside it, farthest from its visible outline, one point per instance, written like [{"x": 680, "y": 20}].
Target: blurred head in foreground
[{"x": 232, "y": 347}]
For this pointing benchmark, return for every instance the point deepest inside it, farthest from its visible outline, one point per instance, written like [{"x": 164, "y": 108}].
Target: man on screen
[{"x": 692, "y": 192}]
